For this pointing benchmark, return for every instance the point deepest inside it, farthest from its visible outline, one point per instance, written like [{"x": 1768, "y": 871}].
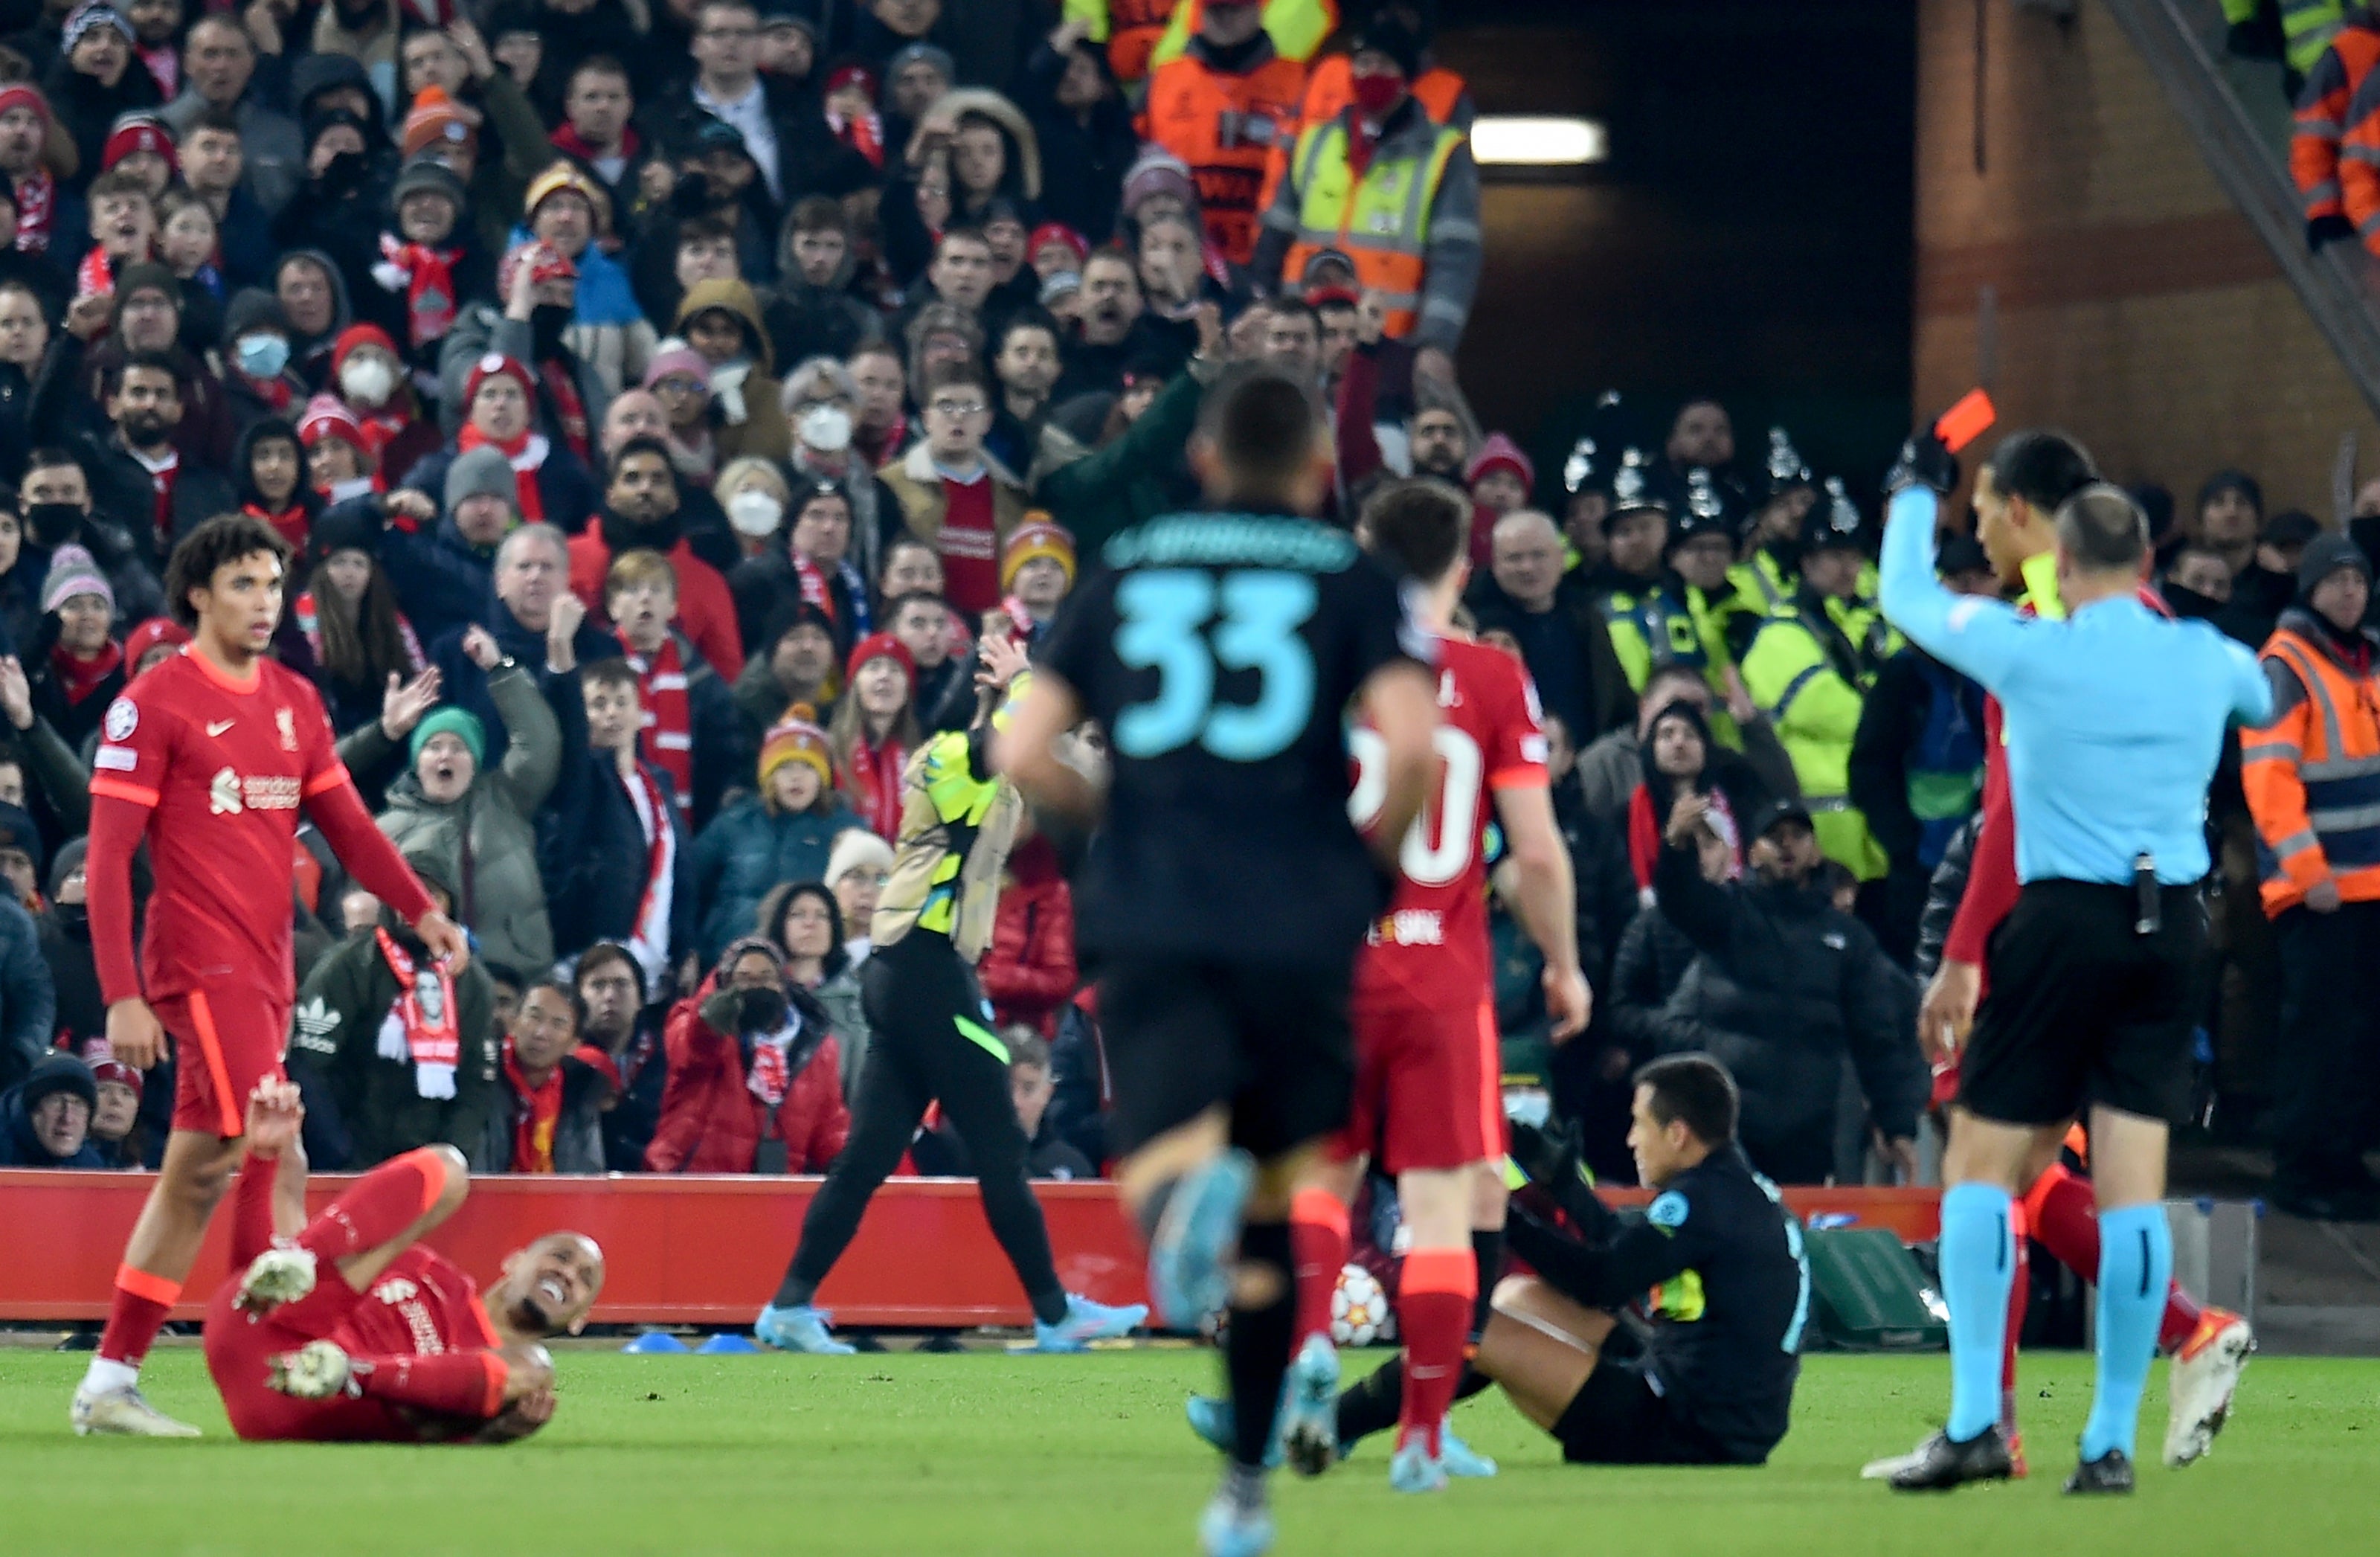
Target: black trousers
[
  {"x": 922, "y": 1002},
  {"x": 2330, "y": 1025}
]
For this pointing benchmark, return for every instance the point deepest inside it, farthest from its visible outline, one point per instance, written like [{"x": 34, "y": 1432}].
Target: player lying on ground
[
  {"x": 1428, "y": 1095},
  {"x": 211, "y": 757},
  {"x": 345, "y": 1328},
  {"x": 2018, "y": 492}
]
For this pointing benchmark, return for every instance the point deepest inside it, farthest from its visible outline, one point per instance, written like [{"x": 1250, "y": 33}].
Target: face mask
[
  {"x": 754, "y": 514},
  {"x": 1376, "y": 95},
  {"x": 71, "y": 916},
  {"x": 827, "y": 428},
  {"x": 262, "y": 357},
  {"x": 367, "y": 380},
  {"x": 2189, "y": 604},
  {"x": 52, "y": 524}
]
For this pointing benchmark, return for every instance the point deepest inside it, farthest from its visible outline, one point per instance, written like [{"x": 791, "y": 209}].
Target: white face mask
[
  {"x": 367, "y": 380},
  {"x": 827, "y": 428},
  {"x": 754, "y": 514}
]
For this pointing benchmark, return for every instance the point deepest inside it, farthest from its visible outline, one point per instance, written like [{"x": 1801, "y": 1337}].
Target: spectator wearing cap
[
  {"x": 473, "y": 815},
  {"x": 567, "y": 210},
  {"x": 679, "y": 379},
  {"x": 856, "y": 874},
  {"x": 692, "y": 731},
  {"x": 500, "y": 396},
  {"x": 38, "y": 155},
  {"x": 1783, "y": 988},
  {"x": 338, "y": 455},
  {"x": 531, "y": 324},
  {"x": 2268, "y": 584},
  {"x": 430, "y": 261},
  {"x": 64, "y": 929},
  {"x": 78, "y": 666},
  {"x": 1036, "y": 567},
  {"x": 875, "y": 728},
  {"x": 2305, "y": 775},
  {"x": 1702, "y": 437},
  {"x": 1055, "y": 248},
  {"x": 1917, "y": 758},
  {"x": 506, "y": 146},
  {"x": 115, "y": 1119},
  {"x": 1645, "y": 604},
  {"x": 1808, "y": 668},
  {"x": 721, "y": 320},
  {"x": 1068, "y": 91},
  {"x": 916, "y": 74},
  {"x": 1500, "y": 477},
  {"x": 364, "y": 1043},
  {"x": 94, "y": 77},
  {"x": 1224, "y": 108},
  {"x": 787, "y": 832},
  {"x": 643, "y": 510},
  {"x": 810, "y": 561},
  {"x": 781, "y": 125},
  {"x": 1395, "y": 188},
  {"x": 614, "y": 847},
  {"x": 1772, "y": 540},
  {"x": 46, "y": 1118},
  {"x": 369, "y": 377},
  {"x": 140, "y": 144}
]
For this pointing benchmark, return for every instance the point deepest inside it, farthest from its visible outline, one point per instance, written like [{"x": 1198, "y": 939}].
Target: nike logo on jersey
[{"x": 217, "y": 726}]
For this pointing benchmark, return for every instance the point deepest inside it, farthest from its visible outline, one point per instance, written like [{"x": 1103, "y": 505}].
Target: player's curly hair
[{"x": 226, "y": 538}]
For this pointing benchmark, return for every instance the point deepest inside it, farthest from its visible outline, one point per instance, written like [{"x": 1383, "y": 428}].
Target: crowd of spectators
[{"x": 665, "y": 401}]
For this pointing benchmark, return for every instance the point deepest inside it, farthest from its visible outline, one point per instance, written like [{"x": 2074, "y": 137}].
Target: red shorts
[
  {"x": 225, "y": 1040},
  {"x": 239, "y": 1346},
  {"x": 1428, "y": 1087}
]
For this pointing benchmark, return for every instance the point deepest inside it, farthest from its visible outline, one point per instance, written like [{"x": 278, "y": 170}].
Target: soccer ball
[{"x": 1360, "y": 1315}]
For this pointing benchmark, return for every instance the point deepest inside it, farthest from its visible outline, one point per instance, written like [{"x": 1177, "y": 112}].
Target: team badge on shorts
[{"x": 123, "y": 718}]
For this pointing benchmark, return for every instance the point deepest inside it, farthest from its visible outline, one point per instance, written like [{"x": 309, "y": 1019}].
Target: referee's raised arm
[{"x": 1982, "y": 637}]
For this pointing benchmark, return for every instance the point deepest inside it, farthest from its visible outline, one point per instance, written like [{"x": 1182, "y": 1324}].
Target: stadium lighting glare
[{"x": 1537, "y": 140}]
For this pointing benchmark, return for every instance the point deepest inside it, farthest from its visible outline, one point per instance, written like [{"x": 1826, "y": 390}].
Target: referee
[{"x": 2114, "y": 719}]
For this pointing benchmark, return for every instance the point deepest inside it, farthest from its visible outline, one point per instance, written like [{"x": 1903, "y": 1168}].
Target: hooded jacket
[
  {"x": 20, "y": 1146},
  {"x": 309, "y": 355},
  {"x": 1782, "y": 988},
  {"x": 362, "y": 1108},
  {"x": 501, "y": 896},
  {"x": 908, "y": 245},
  {"x": 743, "y": 399},
  {"x": 712, "y": 1122}
]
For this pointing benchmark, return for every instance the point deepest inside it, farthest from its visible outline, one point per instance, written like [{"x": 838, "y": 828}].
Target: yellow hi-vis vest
[{"x": 1381, "y": 221}]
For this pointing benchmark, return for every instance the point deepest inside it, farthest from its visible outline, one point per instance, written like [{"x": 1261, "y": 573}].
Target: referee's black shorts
[
  {"x": 2085, "y": 1010},
  {"x": 1184, "y": 1034}
]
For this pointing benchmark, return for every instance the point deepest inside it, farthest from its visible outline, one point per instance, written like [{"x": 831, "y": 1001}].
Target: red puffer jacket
[
  {"x": 711, "y": 1123},
  {"x": 1028, "y": 970}
]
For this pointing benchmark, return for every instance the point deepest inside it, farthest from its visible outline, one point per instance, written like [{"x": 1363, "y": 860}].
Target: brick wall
[{"x": 2135, "y": 306}]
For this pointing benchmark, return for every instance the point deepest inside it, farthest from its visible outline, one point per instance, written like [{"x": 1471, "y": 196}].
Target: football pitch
[{"x": 940, "y": 1456}]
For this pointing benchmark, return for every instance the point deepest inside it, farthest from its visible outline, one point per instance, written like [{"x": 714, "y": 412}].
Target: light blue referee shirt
[{"x": 2114, "y": 718}]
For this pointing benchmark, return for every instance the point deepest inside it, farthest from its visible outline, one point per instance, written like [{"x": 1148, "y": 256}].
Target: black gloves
[
  {"x": 1924, "y": 462},
  {"x": 2326, "y": 229},
  {"x": 737, "y": 1010}
]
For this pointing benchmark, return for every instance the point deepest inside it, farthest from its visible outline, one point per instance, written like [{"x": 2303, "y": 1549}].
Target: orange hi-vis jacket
[
  {"x": 2322, "y": 113},
  {"x": 2313, "y": 775},
  {"x": 1443, "y": 94},
  {"x": 1225, "y": 126},
  {"x": 1142, "y": 34}
]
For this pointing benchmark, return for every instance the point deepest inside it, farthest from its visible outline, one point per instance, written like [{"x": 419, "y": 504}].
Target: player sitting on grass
[
  {"x": 1731, "y": 1291},
  {"x": 390, "y": 1344}
]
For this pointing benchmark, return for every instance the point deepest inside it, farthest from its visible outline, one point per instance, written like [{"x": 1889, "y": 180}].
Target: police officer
[
  {"x": 2115, "y": 718},
  {"x": 1772, "y": 539},
  {"x": 1718, "y": 1262},
  {"x": 1807, "y": 669}
]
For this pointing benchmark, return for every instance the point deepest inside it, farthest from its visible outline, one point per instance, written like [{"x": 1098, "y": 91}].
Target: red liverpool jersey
[
  {"x": 1432, "y": 944},
  {"x": 421, "y": 1305},
  {"x": 223, "y": 769}
]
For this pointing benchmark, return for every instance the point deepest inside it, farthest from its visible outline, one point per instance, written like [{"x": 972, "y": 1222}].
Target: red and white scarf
[
  {"x": 95, "y": 276},
  {"x": 527, "y": 453},
  {"x": 422, "y": 1026},
  {"x": 425, "y": 273},
  {"x": 864, "y": 133},
  {"x": 37, "y": 203},
  {"x": 649, "y": 943},
  {"x": 770, "y": 1077},
  {"x": 669, "y": 716},
  {"x": 875, "y": 778},
  {"x": 569, "y": 410}
]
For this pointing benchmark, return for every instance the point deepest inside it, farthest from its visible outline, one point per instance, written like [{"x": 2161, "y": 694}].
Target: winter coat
[
  {"x": 481, "y": 328},
  {"x": 839, "y": 995},
  {"x": 766, "y": 585},
  {"x": 1943, "y": 893},
  {"x": 1783, "y": 988},
  {"x": 501, "y": 896},
  {"x": 20, "y": 1148},
  {"x": 608, "y": 329},
  {"x": 706, "y": 609},
  {"x": 1083, "y": 162},
  {"x": 273, "y": 149},
  {"x": 760, "y": 428},
  {"x": 442, "y": 580},
  {"x": 1611, "y": 770},
  {"x": 1135, "y": 479},
  {"x": 749, "y": 850},
  {"x": 566, "y": 492},
  {"x": 578, "y": 1134},
  {"x": 643, "y": 1065},
  {"x": 712, "y": 1124},
  {"x": 1590, "y": 691},
  {"x": 593, "y": 856},
  {"x": 208, "y": 432},
  {"x": 464, "y": 685},
  {"x": 1029, "y": 972},
  {"x": 27, "y": 1001},
  {"x": 85, "y": 109},
  {"x": 919, "y": 488},
  {"x": 362, "y": 1109},
  {"x": 81, "y": 1013}
]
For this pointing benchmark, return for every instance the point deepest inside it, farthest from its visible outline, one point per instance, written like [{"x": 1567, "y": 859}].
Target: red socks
[
  {"x": 452, "y": 1384},
  {"x": 2019, "y": 1292},
  {"x": 1434, "y": 1311},
  {"x": 135, "y": 1315},
  {"x": 2065, "y": 1215},
  {"x": 1318, "y": 1243},
  {"x": 382, "y": 1204}
]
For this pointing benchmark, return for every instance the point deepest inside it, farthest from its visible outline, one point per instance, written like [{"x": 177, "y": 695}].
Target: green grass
[{"x": 1053, "y": 1458}]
